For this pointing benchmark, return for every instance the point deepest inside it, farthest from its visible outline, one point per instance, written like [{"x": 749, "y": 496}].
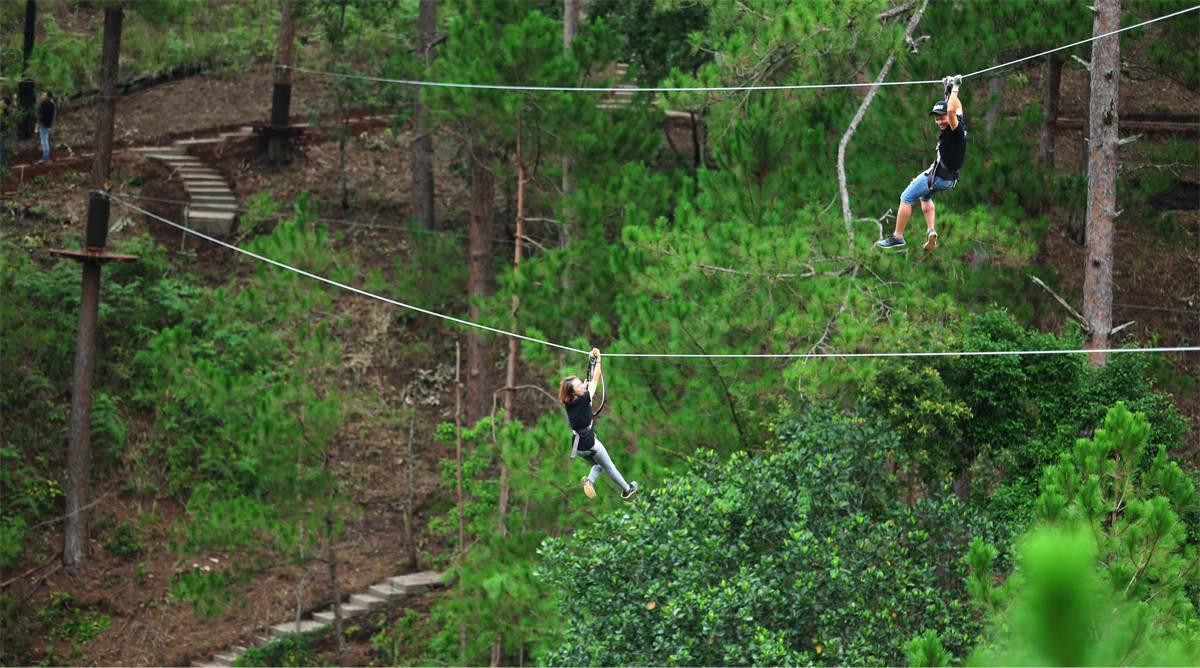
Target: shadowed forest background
[{"x": 262, "y": 444}]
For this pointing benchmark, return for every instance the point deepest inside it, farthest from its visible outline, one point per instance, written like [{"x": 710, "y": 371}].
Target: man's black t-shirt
[
  {"x": 46, "y": 113},
  {"x": 952, "y": 150},
  {"x": 579, "y": 414}
]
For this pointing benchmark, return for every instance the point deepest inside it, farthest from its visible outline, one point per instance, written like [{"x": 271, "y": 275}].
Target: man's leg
[
  {"x": 902, "y": 216},
  {"x": 927, "y": 209}
]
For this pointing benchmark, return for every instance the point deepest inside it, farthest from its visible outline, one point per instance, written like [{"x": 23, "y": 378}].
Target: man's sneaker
[
  {"x": 890, "y": 243},
  {"x": 632, "y": 490},
  {"x": 931, "y": 240},
  {"x": 588, "y": 489}
]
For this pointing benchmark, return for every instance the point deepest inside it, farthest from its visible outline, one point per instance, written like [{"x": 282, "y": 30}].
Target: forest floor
[{"x": 403, "y": 361}]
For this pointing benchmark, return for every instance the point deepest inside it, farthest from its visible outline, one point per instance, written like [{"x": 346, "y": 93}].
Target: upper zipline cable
[
  {"x": 336, "y": 284},
  {"x": 468, "y": 323},
  {"x": 715, "y": 89}
]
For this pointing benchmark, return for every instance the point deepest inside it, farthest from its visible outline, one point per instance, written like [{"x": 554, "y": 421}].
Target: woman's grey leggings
[{"x": 602, "y": 462}]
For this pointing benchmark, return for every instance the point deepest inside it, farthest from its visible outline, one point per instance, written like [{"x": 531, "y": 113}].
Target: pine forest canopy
[{"x": 801, "y": 502}]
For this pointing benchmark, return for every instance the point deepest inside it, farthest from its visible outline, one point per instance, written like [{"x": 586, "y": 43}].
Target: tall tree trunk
[
  {"x": 1102, "y": 178},
  {"x": 995, "y": 104},
  {"x": 1051, "y": 82},
  {"x": 571, "y": 12},
  {"x": 422, "y": 144},
  {"x": 479, "y": 278},
  {"x": 281, "y": 92},
  {"x": 26, "y": 96},
  {"x": 336, "y": 590},
  {"x": 410, "y": 492},
  {"x": 458, "y": 461},
  {"x": 79, "y": 451},
  {"x": 514, "y": 346}
]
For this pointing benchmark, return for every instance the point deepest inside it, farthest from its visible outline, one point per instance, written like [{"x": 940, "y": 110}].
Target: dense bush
[{"x": 806, "y": 555}]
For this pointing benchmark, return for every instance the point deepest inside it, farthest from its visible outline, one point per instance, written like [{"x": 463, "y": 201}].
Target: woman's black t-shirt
[{"x": 579, "y": 414}]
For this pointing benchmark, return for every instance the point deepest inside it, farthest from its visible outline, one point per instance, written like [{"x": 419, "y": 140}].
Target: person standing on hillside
[
  {"x": 942, "y": 174},
  {"x": 5, "y": 126},
  {"x": 47, "y": 113},
  {"x": 576, "y": 396}
]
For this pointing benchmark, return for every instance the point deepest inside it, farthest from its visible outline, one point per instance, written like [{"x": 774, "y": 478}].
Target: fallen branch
[{"x": 1086, "y": 326}]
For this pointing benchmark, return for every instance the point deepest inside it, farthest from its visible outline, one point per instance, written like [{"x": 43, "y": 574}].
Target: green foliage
[
  {"x": 68, "y": 620},
  {"x": 926, "y": 651},
  {"x": 999, "y": 420},
  {"x": 295, "y": 649},
  {"x": 206, "y": 590},
  {"x": 1108, "y": 576},
  {"x": 38, "y": 319},
  {"x": 1066, "y": 613},
  {"x": 804, "y": 556},
  {"x": 123, "y": 541},
  {"x": 399, "y": 644}
]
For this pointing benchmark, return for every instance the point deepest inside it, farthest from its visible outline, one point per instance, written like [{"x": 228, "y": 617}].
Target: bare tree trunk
[
  {"x": 281, "y": 91},
  {"x": 1102, "y": 178},
  {"x": 422, "y": 145},
  {"x": 458, "y": 458},
  {"x": 995, "y": 104},
  {"x": 479, "y": 359},
  {"x": 335, "y": 588},
  {"x": 571, "y": 11},
  {"x": 1051, "y": 82},
  {"x": 411, "y": 496},
  {"x": 79, "y": 449},
  {"x": 514, "y": 347},
  {"x": 26, "y": 94}
]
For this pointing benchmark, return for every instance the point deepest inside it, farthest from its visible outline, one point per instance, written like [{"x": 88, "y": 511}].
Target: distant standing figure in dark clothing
[
  {"x": 5, "y": 128},
  {"x": 47, "y": 111}
]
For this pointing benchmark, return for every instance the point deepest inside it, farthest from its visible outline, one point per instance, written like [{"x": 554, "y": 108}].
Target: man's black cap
[{"x": 940, "y": 108}]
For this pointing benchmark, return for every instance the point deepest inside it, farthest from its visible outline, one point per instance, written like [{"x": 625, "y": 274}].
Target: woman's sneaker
[
  {"x": 632, "y": 490},
  {"x": 588, "y": 489},
  {"x": 891, "y": 243},
  {"x": 931, "y": 240}
]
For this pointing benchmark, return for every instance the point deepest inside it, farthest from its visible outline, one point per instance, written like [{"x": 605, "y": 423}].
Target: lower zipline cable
[{"x": 468, "y": 323}]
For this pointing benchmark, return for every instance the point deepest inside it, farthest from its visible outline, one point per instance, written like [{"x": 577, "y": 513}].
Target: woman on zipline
[{"x": 576, "y": 396}]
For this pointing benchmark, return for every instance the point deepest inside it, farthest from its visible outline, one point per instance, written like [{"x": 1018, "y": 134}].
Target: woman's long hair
[{"x": 566, "y": 393}]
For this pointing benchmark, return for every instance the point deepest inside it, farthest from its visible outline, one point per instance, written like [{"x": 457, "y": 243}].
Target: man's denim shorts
[{"x": 919, "y": 188}]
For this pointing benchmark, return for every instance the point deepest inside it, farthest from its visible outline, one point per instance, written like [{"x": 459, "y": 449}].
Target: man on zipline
[{"x": 942, "y": 174}]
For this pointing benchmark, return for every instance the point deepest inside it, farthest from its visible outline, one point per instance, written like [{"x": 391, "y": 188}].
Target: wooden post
[
  {"x": 79, "y": 454},
  {"x": 281, "y": 92}
]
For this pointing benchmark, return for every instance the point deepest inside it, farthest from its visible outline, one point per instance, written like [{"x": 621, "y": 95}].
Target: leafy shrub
[
  {"x": 1108, "y": 574},
  {"x": 290, "y": 650},
  {"x": 805, "y": 556},
  {"x": 123, "y": 541}
]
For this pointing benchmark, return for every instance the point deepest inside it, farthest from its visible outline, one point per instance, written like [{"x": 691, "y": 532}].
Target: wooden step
[
  {"x": 386, "y": 591},
  {"x": 348, "y": 611},
  {"x": 305, "y": 626},
  {"x": 416, "y": 583},
  {"x": 207, "y": 189},
  {"x": 185, "y": 143},
  {"x": 367, "y": 601},
  {"x": 224, "y": 659}
]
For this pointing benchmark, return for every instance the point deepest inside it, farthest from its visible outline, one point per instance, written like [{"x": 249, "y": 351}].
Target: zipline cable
[
  {"x": 715, "y": 89},
  {"x": 468, "y": 323},
  {"x": 337, "y": 284}
]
